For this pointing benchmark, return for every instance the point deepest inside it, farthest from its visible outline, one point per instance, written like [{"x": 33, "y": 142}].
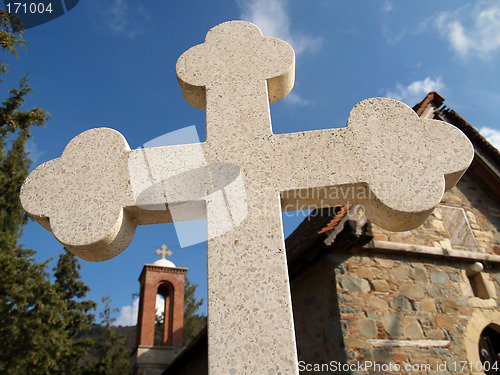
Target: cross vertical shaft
[{"x": 249, "y": 303}]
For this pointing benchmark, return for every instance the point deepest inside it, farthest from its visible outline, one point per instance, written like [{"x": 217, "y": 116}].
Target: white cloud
[
  {"x": 123, "y": 18},
  {"x": 472, "y": 30},
  {"x": 392, "y": 36},
  {"x": 272, "y": 18},
  {"x": 35, "y": 154},
  {"x": 492, "y": 135},
  {"x": 415, "y": 91},
  {"x": 387, "y": 7},
  {"x": 295, "y": 100},
  {"x": 128, "y": 313}
]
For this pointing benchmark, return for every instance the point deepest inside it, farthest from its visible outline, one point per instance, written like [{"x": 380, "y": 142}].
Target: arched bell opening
[{"x": 164, "y": 314}]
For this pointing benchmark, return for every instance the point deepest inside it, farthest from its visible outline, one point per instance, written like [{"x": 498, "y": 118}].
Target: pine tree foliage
[
  {"x": 112, "y": 357},
  {"x": 14, "y": 131},
  {"x": 30, "y": 320},
  {"x": 193, "y": 320},
  {"x": 38, "y": 320},
  {"x": 28, "y": 304},
  {"x": 77, "y": 315}
]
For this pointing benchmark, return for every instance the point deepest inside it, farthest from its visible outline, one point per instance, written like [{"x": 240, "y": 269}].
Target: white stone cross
[{"x": 387, "y": 159}]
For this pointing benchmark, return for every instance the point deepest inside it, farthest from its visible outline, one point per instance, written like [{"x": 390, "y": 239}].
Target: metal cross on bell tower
[{"x": 163, "y": 251}]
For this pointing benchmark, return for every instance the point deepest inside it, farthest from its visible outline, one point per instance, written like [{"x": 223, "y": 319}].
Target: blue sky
[{"x": 113, "y": 64}]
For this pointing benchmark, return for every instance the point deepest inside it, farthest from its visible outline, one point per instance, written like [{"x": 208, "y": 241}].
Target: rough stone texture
[
  {"x": 439, "y": 277},
  {"x": 448, "y": 310},
  {"x": 411, "y": 290},
  {"x": 367, "y": 328},
  {"x": 418, "y": 316},
  {"x": 354, "y": 283},
  {"x": 88, "y": 197},
  {"x": 403, "y": 311},
  {"x": 481, "y": 211},
  {"x": 402, "y": 303},
  {"x": 413, "y": 330}
]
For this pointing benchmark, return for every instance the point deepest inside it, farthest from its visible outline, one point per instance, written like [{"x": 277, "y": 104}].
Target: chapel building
[{"x": 424, "y": 301}]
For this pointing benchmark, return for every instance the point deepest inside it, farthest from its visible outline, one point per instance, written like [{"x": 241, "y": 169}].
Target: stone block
[
  {"x": 433, "y": 292},
  {"x": 383, "y": 262},
  {"x": 380, "y": 285},
  {"x": 438, "y": 226},
  {"x": 377, "y": 303},
  {"x": 399, "y": 357},
  {"x": 402, "y": 303},
  {"x": 419, "y": 274},
  {"x": 438, "y": 277},
  {"x": 434, "y": 334},
  {"x": 437, "y": 213},
  {"x": 372, "y": 316},
  {"x": 413, "y": 291},
  {"x": 449, "y": 306},
  {"x": 392, "y": 325},
  {"x": 350, "y": 310},
  {"x": 381, "y": 355},
  {"x": 413, "y": 331},
  {"x": 453, "y": 363},
  {"x": 445, "y": 321},
  {"x": 354, "y": 343},
  {"x": 367, "y": 328},
  {"x": 365, "y": 273},
  {"x": 354, "y": 284},
  {"x": 427, "y": 304},
  {"x": 399, "y": 273}
]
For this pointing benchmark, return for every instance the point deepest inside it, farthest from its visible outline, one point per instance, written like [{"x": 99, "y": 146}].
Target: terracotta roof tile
[{"x": 333, "y": 223}]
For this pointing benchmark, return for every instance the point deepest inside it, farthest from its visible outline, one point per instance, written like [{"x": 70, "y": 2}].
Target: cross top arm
[{"x": 236, "y": 51}]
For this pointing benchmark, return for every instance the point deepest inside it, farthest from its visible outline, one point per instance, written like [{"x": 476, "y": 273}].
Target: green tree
[
  {"x": 14, "y": 131},
  {"x": 29, "y": 306},
  {"x": 38, "y": 319},
  {"x": 77, "y": 314},
  {"x": 193, "y": 320},
  {"x": 30, "y": 319},
  {"x": 112, "y": 357}
]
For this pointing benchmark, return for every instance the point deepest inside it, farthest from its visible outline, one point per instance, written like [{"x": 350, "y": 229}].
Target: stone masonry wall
[
  {"x": 385, "y": 297},
  {"x": 402, "y": 298},
  {"x": 345, "y": 300},
  {"x": 483, "y": 215}
]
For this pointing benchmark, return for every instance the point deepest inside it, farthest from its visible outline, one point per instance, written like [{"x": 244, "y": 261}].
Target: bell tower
[{"x": 161, "y": 278}]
